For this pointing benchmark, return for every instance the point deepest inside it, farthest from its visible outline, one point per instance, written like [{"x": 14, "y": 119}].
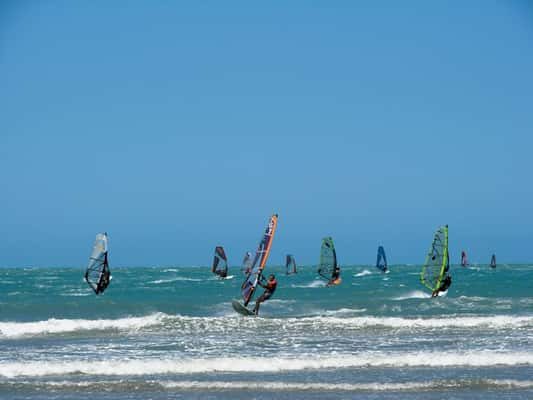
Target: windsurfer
[
  {"x": 222, "y": 273},
  {"x": 270, "y": 288},
  {"x": 334, "y": 276},
  {"x": 444, "y": 286}
]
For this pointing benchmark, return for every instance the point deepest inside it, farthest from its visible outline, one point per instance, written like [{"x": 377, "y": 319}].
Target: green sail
[
  {"x": 437, "y": 260},
  {"x": 328, "y": 258}
]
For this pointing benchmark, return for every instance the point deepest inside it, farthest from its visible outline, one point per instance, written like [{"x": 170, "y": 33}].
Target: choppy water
[{"x": 171, "y": 333}]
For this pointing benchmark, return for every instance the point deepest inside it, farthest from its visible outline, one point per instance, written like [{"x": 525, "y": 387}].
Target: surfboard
[{"x": 237, "y": 306}]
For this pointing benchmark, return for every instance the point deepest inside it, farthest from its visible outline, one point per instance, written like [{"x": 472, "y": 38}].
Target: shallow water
[{"x": 170, "y": 332}]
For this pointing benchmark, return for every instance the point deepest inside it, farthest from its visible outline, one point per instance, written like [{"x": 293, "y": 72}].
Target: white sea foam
[
  {"x": 77, "y": 293},
  {"x": 349, "y": 387},
  {"x": 314, "y": 284},
  {"x": 145, "y": 366},
  {"x": 279, "y": 386},
  {"x": 363, "y": 273},
  {"x": 494, "y": 321},
  {"x": 345, "y": 311},
  {"x": 416, "y": 294},
  {"x": 176, "y": 279},
  {"x": 326, "y": 319},
  {"x": 54, "y": 326}
]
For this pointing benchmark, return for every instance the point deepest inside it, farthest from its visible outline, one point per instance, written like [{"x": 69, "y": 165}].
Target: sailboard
[
  {"x": 98, "y": 274},
  {"x": 237, "y": 306},
  {"x": 381, "y": 262},
  {"x": 464, "y": 259},
  {"x": 247, "y": 263},
  {"x": 261, "y": 256},
  {"x": 437, "y": 261},
  {"x": 220, "y": 262},
  {"x": 290, "y": 265},
  {"x": 328, "y": 262},
  {"x": 493, "y": 261}
]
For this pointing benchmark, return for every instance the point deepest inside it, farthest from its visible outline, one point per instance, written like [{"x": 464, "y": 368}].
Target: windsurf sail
[
  {"x": 247, "y": 263},
  {"x": 260, "y": 259},
  {"x": 220, "y": 262},
  {"x": 437, "y": 261},
  {"x": 290, "y": 264},
  {"x": 464, "y": 259},
  {"x": 381, "y": 262},
  {"x": 98, "y": 274},
  {"x": 493, "y": 261},
  {"x": 328, "y": 259}
]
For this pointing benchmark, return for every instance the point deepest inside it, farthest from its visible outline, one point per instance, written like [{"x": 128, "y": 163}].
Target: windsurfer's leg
[{"x": 258, "y": 302}]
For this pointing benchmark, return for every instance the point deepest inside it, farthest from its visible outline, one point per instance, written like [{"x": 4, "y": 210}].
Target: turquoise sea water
[{"x": 170, "y": 332}]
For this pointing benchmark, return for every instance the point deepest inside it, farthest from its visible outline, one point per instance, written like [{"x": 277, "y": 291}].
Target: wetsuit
[
  {"x": 270, "y": 288},
  {"x": 334, "y": 276},
  {"x": 444, "y": 285}
]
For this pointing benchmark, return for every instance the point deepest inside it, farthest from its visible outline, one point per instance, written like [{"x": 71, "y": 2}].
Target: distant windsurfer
[
  {"x": 335, "y": 276},
  {"x": 247, "y": 265},
  {"x": 223, "y": 273},
  {"x": 444, "y": 286},
  {"x": 270, "y": 288},
  {"x": 464, "y": 261}
]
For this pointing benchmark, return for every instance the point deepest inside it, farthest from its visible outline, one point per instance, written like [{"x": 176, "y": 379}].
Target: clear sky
[{"x": 178, "y": 126}]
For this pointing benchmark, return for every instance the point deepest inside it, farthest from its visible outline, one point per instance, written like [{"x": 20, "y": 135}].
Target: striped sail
[{"x": 260, "y": 259}]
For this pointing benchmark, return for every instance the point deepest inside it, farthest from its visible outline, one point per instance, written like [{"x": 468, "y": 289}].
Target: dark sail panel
[
  {"x": 381, "y": 262},
  {"x": 98, "y": 274},
  {"x": 220, "y": 262},
  {"x": 493, "y": 261},
  {"x": 290, "y": 265}
]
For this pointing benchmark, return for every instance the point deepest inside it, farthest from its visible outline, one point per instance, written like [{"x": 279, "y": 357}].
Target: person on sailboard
[
  {"x": 223, "y": 273},
  {"x": 270, "y": 288},
  {"x": 334, "y": 276},
  {"x": 444, "y": 286}
]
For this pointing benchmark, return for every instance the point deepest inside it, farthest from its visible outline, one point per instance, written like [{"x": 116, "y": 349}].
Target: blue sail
[{"x": 381, "y": 262}]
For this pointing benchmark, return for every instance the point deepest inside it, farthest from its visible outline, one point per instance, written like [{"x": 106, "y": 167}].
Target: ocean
[{"x": 170, "y": 332}]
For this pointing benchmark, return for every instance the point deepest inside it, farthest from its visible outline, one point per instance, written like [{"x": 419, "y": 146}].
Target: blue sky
[{"x": 177, "y": 126}]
